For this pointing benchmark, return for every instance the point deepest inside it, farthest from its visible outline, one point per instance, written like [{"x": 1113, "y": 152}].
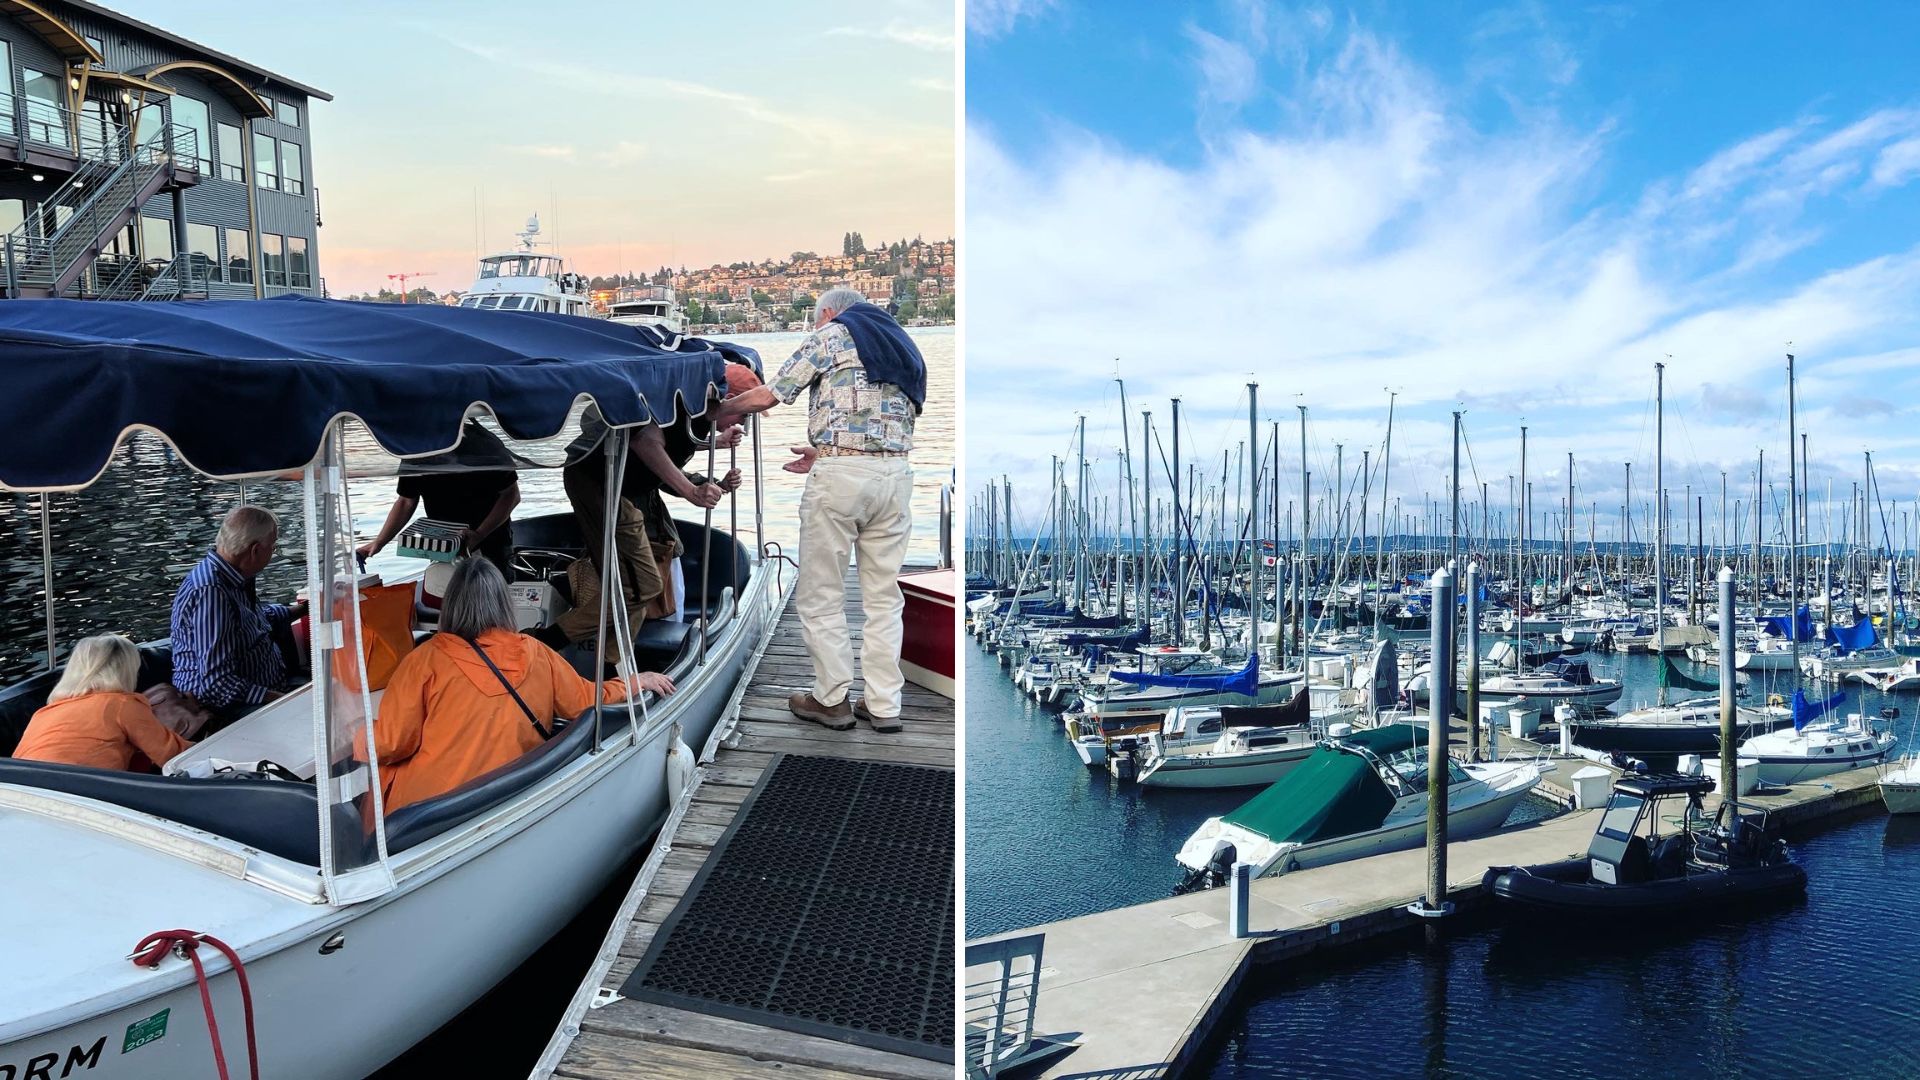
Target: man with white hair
[
  {"x": 227, "y": 645},
  {"x": 866, "y": 381}
]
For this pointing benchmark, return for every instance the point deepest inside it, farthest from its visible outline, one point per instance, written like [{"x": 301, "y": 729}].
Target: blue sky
[
  {"x": 644, "y": 134},
  {"x": 1515, "y": 210}
]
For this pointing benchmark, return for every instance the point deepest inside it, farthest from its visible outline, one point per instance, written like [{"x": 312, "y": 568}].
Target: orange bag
[{"x": 386, "y": 620}]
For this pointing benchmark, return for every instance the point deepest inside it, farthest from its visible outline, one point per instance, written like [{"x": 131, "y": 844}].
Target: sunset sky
[{"x": 643, "y": 135}]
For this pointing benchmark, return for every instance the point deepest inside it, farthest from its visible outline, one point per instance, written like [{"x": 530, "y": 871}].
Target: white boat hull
[
  {"x": 470, "y": 907},
  {"x": 1462, "y": 824},
  {"x": 1207, "y": 771}
]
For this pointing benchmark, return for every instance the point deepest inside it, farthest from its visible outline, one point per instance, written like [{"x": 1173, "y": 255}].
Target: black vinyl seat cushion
[{"x": 280, "y": 817}]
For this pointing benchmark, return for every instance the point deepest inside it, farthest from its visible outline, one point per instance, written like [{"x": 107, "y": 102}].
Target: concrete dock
[
  {"x": 604, "y": 1035},
  {"x": 1142, "y": 987}
]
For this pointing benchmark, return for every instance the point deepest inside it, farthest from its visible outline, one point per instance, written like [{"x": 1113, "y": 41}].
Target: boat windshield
[{"x": 1622, "y": 811}]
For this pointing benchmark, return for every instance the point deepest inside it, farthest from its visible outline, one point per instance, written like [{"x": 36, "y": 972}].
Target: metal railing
[
  {"x": 184, "y": 276},
  {"x": 1000, "y": 1002},
  {"x": 102, "y": 195}
]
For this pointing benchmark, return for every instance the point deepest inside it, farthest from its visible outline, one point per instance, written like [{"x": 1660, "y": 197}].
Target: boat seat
[
  {"x": 421, "y": 821},
  {"x": 279, "y": 817},
  {"x": 20, "y": 701}
]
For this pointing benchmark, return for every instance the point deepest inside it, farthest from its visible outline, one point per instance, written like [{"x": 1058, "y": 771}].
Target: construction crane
[{"x": 404, "y": 278}]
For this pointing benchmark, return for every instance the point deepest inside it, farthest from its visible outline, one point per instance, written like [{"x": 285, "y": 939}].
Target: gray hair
[
  {"x": 476, "y": 600},
  {"x": 102, "y": 662},
  {"x": 837, "y": 299},
  {"x": 245, "y": 526}
]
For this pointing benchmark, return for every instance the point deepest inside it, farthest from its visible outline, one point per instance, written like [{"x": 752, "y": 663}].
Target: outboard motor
[{"x": 1217, "y": 872}]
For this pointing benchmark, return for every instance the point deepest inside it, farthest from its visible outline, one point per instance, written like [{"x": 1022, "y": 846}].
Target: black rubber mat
[{"x": 827, "y": 908}]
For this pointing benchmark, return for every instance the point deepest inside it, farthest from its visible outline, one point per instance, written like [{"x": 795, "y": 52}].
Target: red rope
[{"x": 154, "y": 947}]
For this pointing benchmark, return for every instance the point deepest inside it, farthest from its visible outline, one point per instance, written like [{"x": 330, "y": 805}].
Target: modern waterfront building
[{"x": 135, "y": 164}]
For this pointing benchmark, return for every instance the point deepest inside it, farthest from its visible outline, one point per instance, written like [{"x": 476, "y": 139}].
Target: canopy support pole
[
  {"x": 616, "y": 466},
  {"x": 759, "y": 499},
  {"x": 46, "y": 568},
  {"x": 706, "y": 555}
]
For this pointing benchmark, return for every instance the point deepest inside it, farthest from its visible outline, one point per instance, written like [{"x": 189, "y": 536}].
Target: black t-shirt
[{"x": 466, "y": 498}]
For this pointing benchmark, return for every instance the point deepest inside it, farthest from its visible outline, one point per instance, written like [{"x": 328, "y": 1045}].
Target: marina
[{"x": 1554, "y": 676}]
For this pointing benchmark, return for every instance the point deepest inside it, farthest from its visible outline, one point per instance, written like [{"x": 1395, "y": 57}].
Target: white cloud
[
  {"x": 1897, "y": 164},
  {"x": 1227, "y": 73},
  {"x": 936, "y": 85},
  {"x": 992, "y": 18},
  {"x": 931, "y": 38},
  {"x": 1377, "y": 239},
  {"x": 623, "y": 152}
]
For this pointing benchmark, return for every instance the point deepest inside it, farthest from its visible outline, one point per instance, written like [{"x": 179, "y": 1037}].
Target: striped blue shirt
[{"x": 223, "y": 649}]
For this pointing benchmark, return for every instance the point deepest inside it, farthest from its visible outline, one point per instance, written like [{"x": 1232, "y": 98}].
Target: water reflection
[{"x": 121, "y": 546}]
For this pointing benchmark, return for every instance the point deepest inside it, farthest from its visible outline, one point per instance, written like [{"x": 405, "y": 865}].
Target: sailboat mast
[
  {"x": 1179, "y": 521},
  {"x": 1080, "y": 517},
  {"x": 1253, "y": 521},
  {"x": 1306, "y": 545},
  {"x": 1133, "y": 512},
  {"x": 1660, "y": 521},
  {"x": 1793, "y": 527},
  {"x": 1145, "y": 605},
  {"x": 1453, "y": 518},
  {"x": 1380, "y": 547}
]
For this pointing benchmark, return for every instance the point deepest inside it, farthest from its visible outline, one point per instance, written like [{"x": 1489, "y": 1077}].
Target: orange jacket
[
  {"x": 102, "y": 729},
  {"x": 446, "y": 719}
]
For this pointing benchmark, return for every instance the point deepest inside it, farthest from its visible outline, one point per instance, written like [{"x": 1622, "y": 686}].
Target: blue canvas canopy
[
  {"x": 248, "y": 387},
  {"x": 1244, "y": 682},
  {"x": 1801, "y": 625},
  {"x": 1852, "y": 639},
  {"x": 1806, "y": 712}
]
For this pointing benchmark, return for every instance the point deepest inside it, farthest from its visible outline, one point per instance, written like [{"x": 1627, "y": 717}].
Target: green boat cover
[
  {"x": 1388, "y": 739},
  {"x": 1329, "y": 794}
]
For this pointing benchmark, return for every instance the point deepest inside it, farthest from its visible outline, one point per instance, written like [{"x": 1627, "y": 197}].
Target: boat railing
[{"x": 1002, "y": 992}]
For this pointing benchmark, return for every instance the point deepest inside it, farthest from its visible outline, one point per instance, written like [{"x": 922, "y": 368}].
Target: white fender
[{"x": 680, "y": 764}]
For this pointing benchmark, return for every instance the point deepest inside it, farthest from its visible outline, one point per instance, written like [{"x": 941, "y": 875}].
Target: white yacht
[
  {"x": 649, "y": 305},
  {"x": 1900, "y": 786},
  {"x": 528, "y": 280},
  {"x": 1819, "y": 749}
]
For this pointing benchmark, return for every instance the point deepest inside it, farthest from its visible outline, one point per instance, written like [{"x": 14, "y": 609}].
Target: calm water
[
  {"x": 121, "y": 547},
  {"x": 1821, "y": 987},
  {"x": 1048, "y": 838}
]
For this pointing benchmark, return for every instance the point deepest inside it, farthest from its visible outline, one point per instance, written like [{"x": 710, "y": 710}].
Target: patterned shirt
[
  {"x": 844, "y": 409},
  {"x": 223, "y": 649}
]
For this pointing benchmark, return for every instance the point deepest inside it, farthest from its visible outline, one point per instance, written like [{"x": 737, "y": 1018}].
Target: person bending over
[
  {"x": 94, "y": 717},
  {"x": 478, "y": 694}
]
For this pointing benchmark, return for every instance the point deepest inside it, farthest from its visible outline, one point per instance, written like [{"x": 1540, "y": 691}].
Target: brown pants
[{"x": 640, "y": 576}]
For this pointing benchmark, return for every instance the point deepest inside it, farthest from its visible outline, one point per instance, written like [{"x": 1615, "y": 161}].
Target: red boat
[{"x": 927, "y": 653}]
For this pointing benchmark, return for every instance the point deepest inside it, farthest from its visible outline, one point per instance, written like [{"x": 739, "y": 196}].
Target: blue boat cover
[
  {"x": 1852, "y": 639},
  {"x": 1244, "y": 682},
  {"x": 1806, "y": 712},
  {"x": 247, "y": 387},
  {"x": 1776, "y": 625},
  {"x": 1573, "y": 671}
]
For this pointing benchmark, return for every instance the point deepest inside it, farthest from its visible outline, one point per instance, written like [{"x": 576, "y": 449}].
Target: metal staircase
[{"x": 101, "y": 198}]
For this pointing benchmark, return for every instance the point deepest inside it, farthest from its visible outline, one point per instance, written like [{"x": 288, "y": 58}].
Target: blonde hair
[{"x": 103, "y": 662}]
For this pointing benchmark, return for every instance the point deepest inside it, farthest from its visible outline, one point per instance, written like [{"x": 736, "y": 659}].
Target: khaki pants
[
  {"x": 853, "y": 505},
  {"x": 640, "y": 576}
]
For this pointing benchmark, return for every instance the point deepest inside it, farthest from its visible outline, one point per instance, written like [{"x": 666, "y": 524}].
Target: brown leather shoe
[
  {"x": 884, "y": 724},
  {"x": 833, "y": 717}
]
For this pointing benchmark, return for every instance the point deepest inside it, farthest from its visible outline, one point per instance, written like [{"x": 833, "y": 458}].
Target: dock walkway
[
  {"x": 1177, "y": 967},
  {"x": 624, "y": 1038}
]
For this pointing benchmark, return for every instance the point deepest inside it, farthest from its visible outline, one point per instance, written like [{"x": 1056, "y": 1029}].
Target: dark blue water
[
  {"x": 1821, "y": 987},
  {"x": 1048, "y": 838}
]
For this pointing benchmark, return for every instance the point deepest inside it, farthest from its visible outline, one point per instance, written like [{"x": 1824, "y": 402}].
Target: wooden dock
[
  {"x": 600, "y": 1039},
  {"x": 1176, "y": 967}
]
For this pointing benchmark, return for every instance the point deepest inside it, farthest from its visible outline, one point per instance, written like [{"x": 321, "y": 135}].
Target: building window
[
  {"x": 203, "y": 248},
  {"x": 239, "y": 263},
  {"x": 299, "y": 274},
  {"x": 191, "y": 113},
  {"x": 13, "y": 213},
  {"x": 99, "y": 46},
  {"x": 233, "y": 166},
  {"x": 266, "y": 162},
  {"x": 292, "y": 176},
  {"x": 273, "y": 263},
  {"x": 287, "y": 113},
  {"x": 156, "y": 239},
  {"x": 6, "y": 92},
  {"x": 46, "y": 116}
]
